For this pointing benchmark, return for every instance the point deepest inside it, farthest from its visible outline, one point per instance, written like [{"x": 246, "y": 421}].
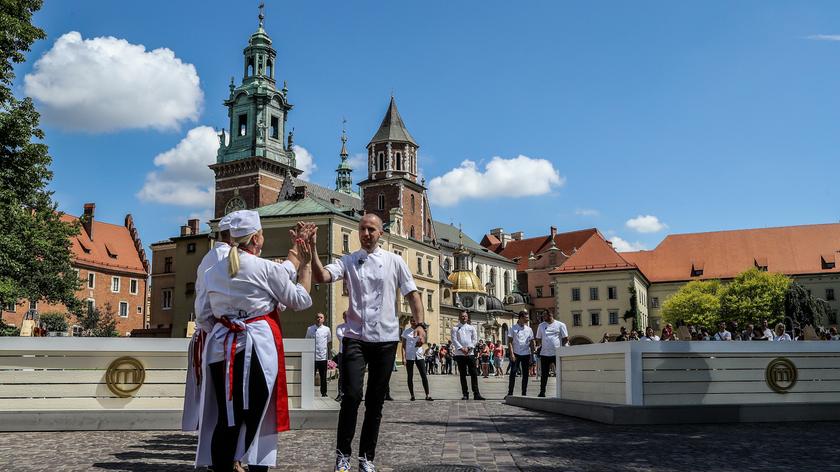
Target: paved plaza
[{"x": 491, "y": 435}]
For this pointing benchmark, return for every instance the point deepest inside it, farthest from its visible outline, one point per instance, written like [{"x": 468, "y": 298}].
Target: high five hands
[{"x": 303, "y": 243}]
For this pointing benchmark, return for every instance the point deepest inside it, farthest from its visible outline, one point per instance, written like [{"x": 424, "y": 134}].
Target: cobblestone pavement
[{"x": 489, "y": 434}]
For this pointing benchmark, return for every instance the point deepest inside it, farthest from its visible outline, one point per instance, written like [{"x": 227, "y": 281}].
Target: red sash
[
  {"x": 198, "y": 350},
  {"x": 281, "y": 397}
]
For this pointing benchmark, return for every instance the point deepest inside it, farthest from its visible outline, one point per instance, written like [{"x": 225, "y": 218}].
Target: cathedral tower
[
  {"x": 391, "y": 186},
  {"x": 253, "y": 159}
]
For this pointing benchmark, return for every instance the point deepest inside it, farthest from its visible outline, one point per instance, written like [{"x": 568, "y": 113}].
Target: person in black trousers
[
  {"x": 551, "y": 336},
  {"x": 520, "y": 347},
  {"x": 464, "y": 340}
]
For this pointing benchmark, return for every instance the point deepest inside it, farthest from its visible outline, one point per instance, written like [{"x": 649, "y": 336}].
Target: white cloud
[
  {"x": 824, "y": 37},
  {"x": 621, "y": 245},
  {"x": 305, "y": 162},
  {"x": 587, "y": 212},
  {"x": 517, "y": 177},
  {"x": 359, "y": 162},
  {"x": 183, "y": 177},
  {"x": 646, "y": 224},
  {"x": 107, "y": 84}
]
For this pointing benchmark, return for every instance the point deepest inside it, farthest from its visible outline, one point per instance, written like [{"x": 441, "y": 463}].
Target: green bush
[
  {"x": 696, "y": 303},
  {"x": 55, "y": 321},
  {"x": 8, "y": 330}
]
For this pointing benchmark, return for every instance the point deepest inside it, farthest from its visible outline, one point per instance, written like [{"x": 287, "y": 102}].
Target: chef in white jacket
[
  {"x": 244, "y": 401},
  {"x": 464, "y": 339}
]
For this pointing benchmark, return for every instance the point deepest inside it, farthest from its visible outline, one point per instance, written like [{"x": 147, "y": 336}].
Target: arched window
[
  {"x": 250, "y": 71},
  {"x": 269, "y": 69},
  {"x": 412, "y": 232},
  {"x": 493, "y": 275},
  {"x": 412, "y": 203},
  {"x": 381, "y": 161},
  {"x": 398, "y": 158},
  {"x": 446, "y": 265},
  {"x": 507, "y": 284},
  {"x": 478, "y": 271}
]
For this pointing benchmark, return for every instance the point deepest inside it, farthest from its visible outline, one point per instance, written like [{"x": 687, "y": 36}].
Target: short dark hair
[{"x": 523, "y": 313}]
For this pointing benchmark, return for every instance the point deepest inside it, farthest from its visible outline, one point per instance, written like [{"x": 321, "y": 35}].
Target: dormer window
[
  {"x": 760, "y": 263},
  {"x": 697, "y": 268},
  {"x": 827, "y": 261}
]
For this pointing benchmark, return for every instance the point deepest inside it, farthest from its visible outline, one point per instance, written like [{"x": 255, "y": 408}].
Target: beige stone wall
[{"x": 566, "y": 308}]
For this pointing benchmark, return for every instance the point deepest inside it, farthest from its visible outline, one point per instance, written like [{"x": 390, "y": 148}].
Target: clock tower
[{"x": 256, "y": 155}]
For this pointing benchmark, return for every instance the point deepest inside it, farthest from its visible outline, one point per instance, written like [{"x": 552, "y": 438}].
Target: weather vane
[{"x": 262, "y": 16}]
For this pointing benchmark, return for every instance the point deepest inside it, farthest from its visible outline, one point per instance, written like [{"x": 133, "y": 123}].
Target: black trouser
[
  {"x": 467, "y": 364},
  {"x": 521, "y": 364},
  {"x": 448, "y": 366},
  {"x": 225, "y": 438},
  {"x": 421, "y": 367},
  {"x": 340, "y": 374},
  {"x": 321, "y": 369},
  {"x": 379, "y": 358},
  {"x": 545, "y": 368}
]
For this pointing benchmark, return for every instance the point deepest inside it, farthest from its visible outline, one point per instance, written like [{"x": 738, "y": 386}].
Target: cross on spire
[{"x": 262, "y": 14}]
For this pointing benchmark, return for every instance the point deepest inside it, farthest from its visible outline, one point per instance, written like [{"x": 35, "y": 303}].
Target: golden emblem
[
  {"x": 780, "y": 375},
  {"x": 125, "y": 376}
]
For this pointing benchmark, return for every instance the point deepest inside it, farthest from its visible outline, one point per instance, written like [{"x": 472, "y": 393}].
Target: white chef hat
[
  {"x": 224, "y": 223},
  {"x": 244, "y": 222}
]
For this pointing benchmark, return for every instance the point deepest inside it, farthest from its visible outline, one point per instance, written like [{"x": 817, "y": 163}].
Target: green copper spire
[{"x": 344, "y": 177}]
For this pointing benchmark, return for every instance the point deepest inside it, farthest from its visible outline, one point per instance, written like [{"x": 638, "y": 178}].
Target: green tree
[
  {"x": 8, "y": 330},
  {"x": 696, "y": 303},
  {"x": 805, "y": 309},
  {"x": 55, "y": 321},
  {"x": 98, "y": 323},
  {"x": 35, "y": 248},
  {"x": 753, "y": 296},
  {"x": 633, "y": 312}
]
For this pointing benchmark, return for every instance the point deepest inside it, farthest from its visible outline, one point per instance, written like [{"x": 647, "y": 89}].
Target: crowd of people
[{"x": 728, "y": 332}]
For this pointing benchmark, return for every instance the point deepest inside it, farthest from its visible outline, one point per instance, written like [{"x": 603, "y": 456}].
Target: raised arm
[{"x": 319, "y": 272}]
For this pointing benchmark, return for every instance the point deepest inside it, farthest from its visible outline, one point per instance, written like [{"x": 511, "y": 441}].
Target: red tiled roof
[
  {"x": 595, "y": 255},
  {"x": 107, "y": 238},
  {"x": 566, "y": 242},
  {"x": 790, "y": 250}
]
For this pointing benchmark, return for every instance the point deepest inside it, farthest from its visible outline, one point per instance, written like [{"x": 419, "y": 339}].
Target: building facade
[{"x": 111, "y": 264}]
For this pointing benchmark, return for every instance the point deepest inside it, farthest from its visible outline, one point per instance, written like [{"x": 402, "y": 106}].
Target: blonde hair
[{"x": 233, "y": 255}]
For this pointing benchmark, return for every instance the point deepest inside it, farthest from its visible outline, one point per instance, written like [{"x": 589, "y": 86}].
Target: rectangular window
[
  {"x": 91, "y": 280},
  {"x": 654, "y": 302},
  {"x": 139, "y": 310},
  {"x": 829, "y": 294},
  {"x": 419, "y": 265},
  {"x": 190, "y": 248},
  {"x": 243, "y": 125},
  {"x": 167, "y": 264},
  {"x": 595, "y": 318},
  {"x": 115, "y": 284},
  {"x": 593, "y": 293},
  {"x": 10, "y": 307},
  {"x": 429, "y": 298},
  {"x": 539, "y": 291},
  {"x": 575, "y": 294},
  {"x": 91, "y": 305},
  {"x": 575, "y": 319},
  {"x": 345, "y": 243},
  {"x": 274, "y": 129},
  {"x": 381, "y": 201},
  {"x": 166, "y": 302},
  {"x": 613, "y": 317},
  {"x": 123, "y": 309},
  {"x": 429, "y": 268},
  {"x": 132, "y": 286},
  {"x": 551, "y": 290},
  {"x": 612, "y": 293},
  {"x": 190, "y": 288}
]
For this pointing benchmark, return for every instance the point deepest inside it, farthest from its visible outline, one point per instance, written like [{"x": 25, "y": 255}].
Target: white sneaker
[
  {"x": 365, "y": 465},
  {"x": 342, "y": 462}
]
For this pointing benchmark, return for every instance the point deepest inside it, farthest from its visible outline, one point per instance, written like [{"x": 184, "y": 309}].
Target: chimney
[
  {"x": 517, "y": 236},
  {"x": 500, "y": 234},
  {"x": 87, "y": 219},
  {"x": 193, "y": 224},
  {"x": 553, "y": 232}
]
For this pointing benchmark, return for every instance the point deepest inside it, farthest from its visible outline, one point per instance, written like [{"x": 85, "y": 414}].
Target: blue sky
[{"x": 698, "y": 117}]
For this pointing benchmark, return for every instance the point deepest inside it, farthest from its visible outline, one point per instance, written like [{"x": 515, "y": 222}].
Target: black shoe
[
  {"x": 429, "y": 399},
  {"x": 339, "y": 397},
  {"x": 323, "y": 394},
  {"x": 478, "y": 397},
  {"x": 541, "y": 395},
  {"x": 465, "y": 397},
  {"x": 388, "y": 398},
  {"x": 412, "y": 398}
]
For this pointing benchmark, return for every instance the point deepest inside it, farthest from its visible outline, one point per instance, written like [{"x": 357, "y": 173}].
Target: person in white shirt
[
  {"x": 245, "y": 401},
  {"x": 373, "y": 277},
  {"x": 768, "y": 333},
  {"x": 551, "y": 335},
  {"x": 722, "y": 334},
  {"x": 520, "y": 347},
  {"x": 464, "y": 340},
  {"x": 649, "y": 335},
  {"x": 323, "y": 341},
  {"x": 413, "y": 355},
  {"x": 339, "y": 334},
  {"x": 781, "y": 335}
]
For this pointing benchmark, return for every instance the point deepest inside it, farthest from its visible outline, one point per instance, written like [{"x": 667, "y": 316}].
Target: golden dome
[{"x": 465, "y": 281}]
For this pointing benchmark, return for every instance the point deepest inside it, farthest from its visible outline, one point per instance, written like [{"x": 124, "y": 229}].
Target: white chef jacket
[
  {"x": 521, "y": 337},
  {"x": 321, "y": 335},
  {"x": 552, "y": 337},
  {"x": 258, "y": 287},
  {"x": 463, "y": 335},
  {"x": 339, "y": 333},
  {"x": 412, "y": 350},
  {"x": 373, "y": 280}
]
